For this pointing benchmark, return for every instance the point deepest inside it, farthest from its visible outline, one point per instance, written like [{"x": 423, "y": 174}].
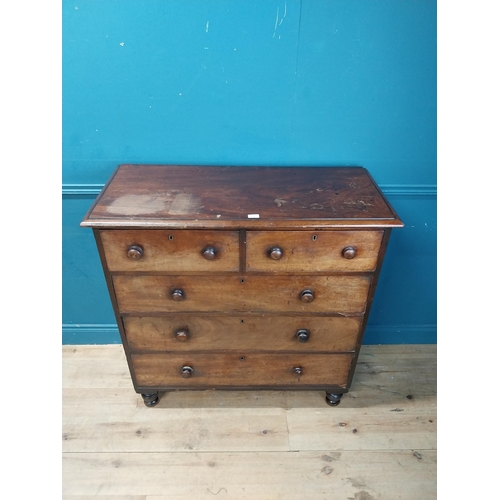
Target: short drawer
[
  {"x": 246, "y": 369},
  {"x": 185, "y": 332},
  {"x": 307, "y": 294},
  {"x": 171, "y": 250},
  {"x": 313, "y": 251}
]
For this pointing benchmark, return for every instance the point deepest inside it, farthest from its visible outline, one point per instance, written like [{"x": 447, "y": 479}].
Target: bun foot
[
  {"x": 333, "y": 399},
  {"x": 151, "y": 399}
]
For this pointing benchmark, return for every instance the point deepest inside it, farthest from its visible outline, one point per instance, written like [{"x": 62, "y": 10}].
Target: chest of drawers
[{"x": 241, "y": 277}]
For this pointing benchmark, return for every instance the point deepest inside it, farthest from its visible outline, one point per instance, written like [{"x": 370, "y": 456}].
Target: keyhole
[
  {"x": 314, "y": 237},
  {"x": 242, "y": 280},
  {"x": 170, "y": 237}
]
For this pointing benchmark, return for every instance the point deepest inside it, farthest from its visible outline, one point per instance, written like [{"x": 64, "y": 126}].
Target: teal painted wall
[{"x": 308, "y": 83}]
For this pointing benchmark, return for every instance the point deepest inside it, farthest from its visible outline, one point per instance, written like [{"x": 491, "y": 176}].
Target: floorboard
[{"x": 379, "y": 443}]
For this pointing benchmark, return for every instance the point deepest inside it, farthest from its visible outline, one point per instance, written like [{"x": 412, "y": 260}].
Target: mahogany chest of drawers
[{"x": 241, "y": 277}]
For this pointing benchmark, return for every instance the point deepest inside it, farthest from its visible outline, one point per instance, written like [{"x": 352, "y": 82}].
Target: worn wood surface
[
  {"x": 193, "y": 196},
  {"x": 332, "y": 294},
  {"x": 175, "y": 270},
  {"x": 251, "y": 475},
  {"x": 240, "y": 369},
  {"x": 248, "y": 332},
  {"x": 171, "y": 251},
  {"x": 312, "y": 251},
  {"x": 379, "y": 443}
]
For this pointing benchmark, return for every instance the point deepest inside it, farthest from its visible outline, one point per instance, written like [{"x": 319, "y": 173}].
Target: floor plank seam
[
  {"x": 287, "y": 429},
  {"x": 380, "y": 442},
  {"x": 328, "y": 450}
]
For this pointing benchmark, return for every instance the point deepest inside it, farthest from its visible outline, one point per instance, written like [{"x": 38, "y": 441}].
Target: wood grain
[
  {"x": 118, "y": 421},
  {"x": 408, "y": 474},
  {"x": 251, "y": 444},
  {"x": 401, "y": 427},
  {"x": 163, "y": 273},
  {"x": 98, "y": 367},
  {"x": 145, "y": 194},
  {"x": 215, "y": 369},
  {"x": 171, "y": 251},
  {"x": 108, "y": 497},
  {"x": 312, "y": 251},
  {"x": 333, "y": 294},
  {"x": 248, "y": 332}
]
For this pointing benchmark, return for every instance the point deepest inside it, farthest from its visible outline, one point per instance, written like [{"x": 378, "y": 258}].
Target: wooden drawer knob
[
  {"x": 349, "y": 253},
  {"x": 307, "y": 296},
  {"x": 276, "y": 253},
  {"x": 178, "y": 295},
  {"x": 187, "y": 371},
  {"x": 302, "y": 335},
  {"x": 135, "y": 252},
  {"x": 182, "y": 335},
  {"x": 298, "y": 370},
  {"x": 209, "y": 253}
]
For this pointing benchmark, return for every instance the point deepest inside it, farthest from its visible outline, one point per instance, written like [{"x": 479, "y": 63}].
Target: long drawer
[
  {"x": 304, "y": 294},
  {"x": 185, "y": 332},
  {"x": 190, "y": 370}
]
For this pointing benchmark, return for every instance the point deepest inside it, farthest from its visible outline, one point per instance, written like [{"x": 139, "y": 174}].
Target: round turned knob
[
  {"x": 182, "y": 335},
  {"x": 178, "y": 295},
  {"x": 302, "y": 335},
  {"x": 135, "y": 252},
  {"x": 276, "y": 253},
  {"x": 307, "y": 295},
  {"x": 349, "y": 253},
  {"x": 186, "y": 371},
  {"x": 209, "y": 253},
  {"x": 298, "y": 370}
]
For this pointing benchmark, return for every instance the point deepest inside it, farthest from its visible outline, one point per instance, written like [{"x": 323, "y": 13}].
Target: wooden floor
[{"x": 379, "y": 443}]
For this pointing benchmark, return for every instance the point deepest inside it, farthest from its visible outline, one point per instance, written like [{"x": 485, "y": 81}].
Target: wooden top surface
[{"x": 253, "y": 197}]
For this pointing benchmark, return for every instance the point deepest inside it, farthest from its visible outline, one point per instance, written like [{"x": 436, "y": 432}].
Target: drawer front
[
  {"x": 232, "y": 370},
  {"x": 308, "y": 294},
  {"x": 175, "y": 250},
  {"x": 307, "y": 251},
  {"x": 185, "y": 332}
]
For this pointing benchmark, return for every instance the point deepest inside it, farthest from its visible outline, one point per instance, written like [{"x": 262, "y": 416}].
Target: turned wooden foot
[
  {"x": 150, "y": 399},
  {"x": 333, "y": 399}
]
